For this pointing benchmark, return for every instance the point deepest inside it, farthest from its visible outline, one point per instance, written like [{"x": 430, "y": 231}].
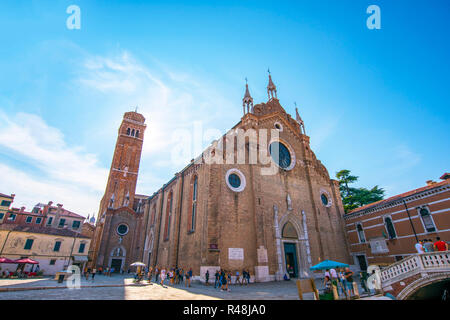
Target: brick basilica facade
[{"x": 231, "y": 216}]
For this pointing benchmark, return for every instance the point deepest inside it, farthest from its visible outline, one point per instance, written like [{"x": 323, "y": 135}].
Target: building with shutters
[{"x": 386, "y": 231}]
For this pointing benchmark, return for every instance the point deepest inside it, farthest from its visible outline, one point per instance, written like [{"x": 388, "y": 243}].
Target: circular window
[
  {"x": 235, "y": 180},
  {"x": 324, "y": 199},
  {"x": 283, "y": 157},
  {"x": 122, "y": 229},
  {"x": 278, "y": 126}
]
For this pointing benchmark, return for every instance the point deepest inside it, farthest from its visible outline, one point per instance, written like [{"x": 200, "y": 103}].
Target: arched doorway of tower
[
  {"x": 290, "y": 247},
  {"x": 117, "y": 258}
]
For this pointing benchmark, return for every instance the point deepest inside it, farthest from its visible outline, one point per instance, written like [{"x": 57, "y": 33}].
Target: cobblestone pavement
[
  {"x": 283, "y": 290},
  {"x": 197, "y": 291}
]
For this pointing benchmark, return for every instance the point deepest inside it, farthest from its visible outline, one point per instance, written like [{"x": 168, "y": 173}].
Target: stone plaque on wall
[
  {"x": 235, "y": 253},
  {"x": 262, "y": 254}
]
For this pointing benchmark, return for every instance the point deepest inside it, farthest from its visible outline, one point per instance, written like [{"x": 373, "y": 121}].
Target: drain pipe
[{"x": 410, "y": 221}]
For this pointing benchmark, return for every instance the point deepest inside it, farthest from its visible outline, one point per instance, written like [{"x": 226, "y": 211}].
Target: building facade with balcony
[{"x": 386, "y": 231}]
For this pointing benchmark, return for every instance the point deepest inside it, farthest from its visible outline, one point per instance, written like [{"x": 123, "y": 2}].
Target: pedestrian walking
[
  {"x": 177, "y": 275},
  {"x": 188, "y": 277},
  {"x": 419, "y": 247},
  {"x": 111, "y": 271},
  {"x": 223, "y": 280},
  {"x": 93, "y": 273},
  {"x": 163, "y": 276},
  {"x": 171, "y": 276},
  {"x": 182, "y": 276},
  {"x": 248, "y": 276},
  {"x": 87, "y": 273},
  {"x": 440, "y": 245},
  {"x": 216, "y": 279},
  {"x": 207, "y": 277},
  {"x": 149, "y": 274},
  {"x": 342, "y": 282},
  {"x": 428, "y": 245},
  {"x": 238, "y": 279},
  {"x": 244, "y": 277},
  {"x": 349, "y": 278},
  {"x": 228, "y": 279},
  {"x": 157, "y": 273}
]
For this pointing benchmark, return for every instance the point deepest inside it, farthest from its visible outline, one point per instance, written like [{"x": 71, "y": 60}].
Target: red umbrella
[
  {"x": 26, "y": 260},
  {"x": 6, "y": 260}
]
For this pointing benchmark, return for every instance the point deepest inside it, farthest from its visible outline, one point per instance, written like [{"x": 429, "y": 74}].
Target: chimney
[
  {"x": 430, "y": 182},
  {"x": 57, "y": 215},
  {"x": 445, "y": 176}
]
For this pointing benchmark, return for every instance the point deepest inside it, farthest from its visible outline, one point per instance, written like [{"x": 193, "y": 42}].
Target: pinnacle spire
[
  {"x": 271, "y": 88},
  {"x": 247, "y": 101},
  {"x": 299, "y": 120}
]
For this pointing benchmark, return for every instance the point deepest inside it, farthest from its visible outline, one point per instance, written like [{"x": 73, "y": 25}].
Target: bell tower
[{"x": 121, "y": 185}]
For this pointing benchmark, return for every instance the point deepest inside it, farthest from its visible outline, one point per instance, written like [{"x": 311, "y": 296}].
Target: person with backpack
[{"x": 217, "y": 279}]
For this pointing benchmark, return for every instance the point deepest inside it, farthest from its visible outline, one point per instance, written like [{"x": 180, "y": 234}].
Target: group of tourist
[
  {"x": 222, "y": 278},
  {"x": 342, "y": 279},
  {"x": 427, "y": 245},
  {"x": 171, "y": 276}
]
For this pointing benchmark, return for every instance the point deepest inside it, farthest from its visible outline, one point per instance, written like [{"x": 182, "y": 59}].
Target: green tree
[{"x": 353, "y": 198}]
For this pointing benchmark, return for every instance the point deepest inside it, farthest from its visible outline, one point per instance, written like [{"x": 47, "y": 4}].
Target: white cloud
[
  {"x": 170, "y": 101},
  {"x": 62, "y": 167},
  {"x": 50, "y": 169},
  {"x": 30, "y": 190}
]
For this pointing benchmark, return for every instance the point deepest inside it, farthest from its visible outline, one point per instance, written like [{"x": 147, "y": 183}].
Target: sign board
[{"x": 235, "y": 253}]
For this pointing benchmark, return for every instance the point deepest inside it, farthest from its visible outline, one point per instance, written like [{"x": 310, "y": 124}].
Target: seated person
[{"x": 327, "y": 292}]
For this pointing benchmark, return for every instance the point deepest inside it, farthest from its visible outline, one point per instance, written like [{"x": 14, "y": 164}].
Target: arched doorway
[
  {"x": 117, "y": 259},
  {"x": 290, "y": 238}
]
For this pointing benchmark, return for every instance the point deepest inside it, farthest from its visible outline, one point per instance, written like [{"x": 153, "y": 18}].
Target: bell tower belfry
[{"x": 121, "y": 185}]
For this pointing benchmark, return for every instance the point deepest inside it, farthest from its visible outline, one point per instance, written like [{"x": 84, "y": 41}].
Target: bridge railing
[{"x": 416, "y": 263}]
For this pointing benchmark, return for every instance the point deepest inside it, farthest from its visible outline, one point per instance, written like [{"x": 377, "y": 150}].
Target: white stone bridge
[{"x": 406, "y": 277}]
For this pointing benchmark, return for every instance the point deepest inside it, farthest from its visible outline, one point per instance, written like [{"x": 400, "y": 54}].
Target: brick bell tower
[{"x": 121, "y": 186}]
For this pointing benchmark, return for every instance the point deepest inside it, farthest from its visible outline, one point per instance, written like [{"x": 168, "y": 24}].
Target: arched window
[
  {"x": 427, "y": 220},
  {"x": 360, "y": 231},
  {"x": 168, "y": 216},
  {"x": 132, "y": 132},
  {"x": 289, "y": 231},
  {"x": 137, "y": 133},
  {"x": 390, "y": 228},
  {"x": 128, "y": 131},
  {"x": 193, "y": 209}
]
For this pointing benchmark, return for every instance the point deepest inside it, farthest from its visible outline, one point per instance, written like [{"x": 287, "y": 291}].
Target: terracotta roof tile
[{"x": 401, "y": 195}]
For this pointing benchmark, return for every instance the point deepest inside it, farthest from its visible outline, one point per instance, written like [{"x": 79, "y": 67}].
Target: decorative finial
[
  {"x": 299, "y": 120},
  {"x": 247, "y": 101},
  {"x": 271, "y": 88}
]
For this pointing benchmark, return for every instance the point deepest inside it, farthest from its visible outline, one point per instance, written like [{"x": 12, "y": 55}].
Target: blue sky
[{"x": 373, "y": 101}]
